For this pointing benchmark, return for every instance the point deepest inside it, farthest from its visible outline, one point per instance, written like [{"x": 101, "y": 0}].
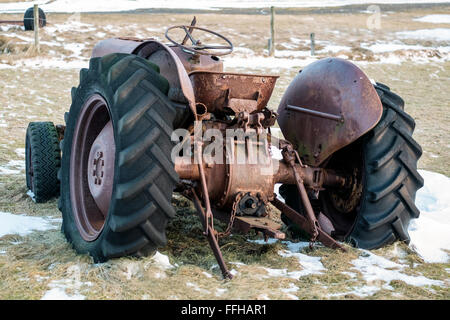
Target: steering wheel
[{"x": 197, "y": 46}]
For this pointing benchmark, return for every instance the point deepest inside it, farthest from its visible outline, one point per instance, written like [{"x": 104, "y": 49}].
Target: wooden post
[
  {"x": 36, "y": 28},
  {"x": 313, "y": 44},
  {"x": 272, "y": 32}
]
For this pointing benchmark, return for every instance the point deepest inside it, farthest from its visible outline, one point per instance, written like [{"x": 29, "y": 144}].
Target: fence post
[
  {"x": 313, "y": 44},
  {"x": 272, "y": 32},
  {"x": 36, "y": 27}
]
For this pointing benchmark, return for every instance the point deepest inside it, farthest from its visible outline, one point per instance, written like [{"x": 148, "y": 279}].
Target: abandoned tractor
[{"x": 149, "y": 119}]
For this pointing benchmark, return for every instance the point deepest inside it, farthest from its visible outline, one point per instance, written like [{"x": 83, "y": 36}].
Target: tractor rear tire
[
  {"x": 28, "y": 19},
  {"x": 389, "y": 181},
  {"x": 144, "y": 176},
  {"x": 391, "y": 177},
  {"x": 42, "y": 160}
]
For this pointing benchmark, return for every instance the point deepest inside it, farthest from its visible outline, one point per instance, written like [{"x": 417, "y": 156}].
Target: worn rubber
[
  {"x": 28, "y": 19},
  {"x": 390, "y": 178},
  {"x": 144, "y": 177},
  {"x": 42, "y": 139}
]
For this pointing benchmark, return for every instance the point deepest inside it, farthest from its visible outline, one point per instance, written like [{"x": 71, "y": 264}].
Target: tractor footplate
[{"x": 269, "y": 228}]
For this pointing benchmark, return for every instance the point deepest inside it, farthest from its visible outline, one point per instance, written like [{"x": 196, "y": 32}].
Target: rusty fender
[{"x": 327, "y": 106}]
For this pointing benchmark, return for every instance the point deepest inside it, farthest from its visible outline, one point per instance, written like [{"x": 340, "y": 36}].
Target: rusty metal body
[
  {"x": 330, "y": 104},
  {"x": 346, "y": 99}
]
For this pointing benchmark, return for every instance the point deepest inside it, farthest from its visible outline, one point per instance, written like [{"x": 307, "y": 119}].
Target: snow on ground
[
  {"x": 437, "y": 34},
  {"x": 161, "y": 261},
  {"x": 12, "y": 167},
  {"x": 430, "y": 233},
  {"x": 376, "y": 268},
  {"x": 435, "y": 18},
  {"x": 23, "y": 224},
  {"x": 128, "y": 5},
  {"x": 58, "y": 288},
  {"x": 381, "y": 47}
]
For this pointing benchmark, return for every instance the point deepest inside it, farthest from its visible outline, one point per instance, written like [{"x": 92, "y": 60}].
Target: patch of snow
[
  {"x": 132, "y": 270},
  {"x": 263, "y": 296},
  {"x": 58, "y": 290},
  {"x": 12, "y": 167},
  {"x": 296, "y": 246},
  {"x": 38, "y": 63},
  {"x": 376, "y": 268},
  {"x": 291, "y": 54},
  {"x": 429, "y": 233},
  {"x": 334, "y": 48},
  {"x": 20, "y": 152},
  {"x": 311, "y": 265},
  {"x": 197, "y": 288},
  {"x": 8, "y": 171},
  {"x": 262, "y": 241},
  {"x": 31, "y": 195},
  {"x": 162, "y": 261},
  {"x": 438, "y": 34},
  {"x": 220, "y": 291},
  {"x": 239, "y": 264},
  {"x": 284, "y": 273},
  {"x": 276, "y": 190},
  {"x": 350, "y": 274},
  {"x": 435, "y": 18},
  {"x": 100, "y": 34},
  {"x": 22, "y": 224},
  {"x": 206, "y": 274},
  {"x": 61, "y": 294}
]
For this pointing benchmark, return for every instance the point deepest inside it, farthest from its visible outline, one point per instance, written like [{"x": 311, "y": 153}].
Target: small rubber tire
[
  {"x": 42, "y": 160},
  {"x": 28, "y": 19},
  {"x": 144, "y": 175},
  {"x": 390, "y": 178}
]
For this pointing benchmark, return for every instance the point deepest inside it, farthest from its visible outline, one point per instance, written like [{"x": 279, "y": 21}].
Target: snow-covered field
[
  {"x": 128, "y": 5},
  {"x": 430, "y": 239},
  {"x": 28, "y": 228}
]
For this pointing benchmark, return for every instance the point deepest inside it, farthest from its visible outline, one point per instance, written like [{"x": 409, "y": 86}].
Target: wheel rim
[{"x": 92, "y": 167}]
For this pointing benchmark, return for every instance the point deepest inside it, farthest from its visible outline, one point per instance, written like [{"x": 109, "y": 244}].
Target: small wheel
[
  {"x": 28, "y": 19},
  {"x": 117, "y": 177},
  {"x": 42, "y": 160},
  {"x": 377, "y": 206}
]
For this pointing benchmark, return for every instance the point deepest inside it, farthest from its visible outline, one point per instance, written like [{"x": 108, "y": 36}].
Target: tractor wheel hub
[{"x": 100, "y": 173}]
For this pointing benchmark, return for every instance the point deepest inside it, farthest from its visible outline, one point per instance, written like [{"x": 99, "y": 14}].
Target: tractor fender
[
  {"x": 169, "y": 63},
  {"x": 328, "y": 105}
]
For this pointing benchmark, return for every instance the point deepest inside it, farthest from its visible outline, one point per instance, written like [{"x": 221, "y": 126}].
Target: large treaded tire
[
  {"x": 42, "y": 160},
  {"x": 144, "y": 176},
  {"x": 390, "y": 178},
  {"x": 28, "y": 19}
]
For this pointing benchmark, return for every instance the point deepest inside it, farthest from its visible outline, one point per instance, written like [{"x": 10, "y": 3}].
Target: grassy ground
[{"x": 33, "y": 264}]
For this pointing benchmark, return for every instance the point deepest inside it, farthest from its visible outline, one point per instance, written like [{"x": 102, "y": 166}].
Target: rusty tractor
[{"x": 149, "y": 119}]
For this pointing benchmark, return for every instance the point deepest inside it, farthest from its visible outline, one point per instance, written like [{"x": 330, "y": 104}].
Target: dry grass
[{"x": 30, "y": 268}]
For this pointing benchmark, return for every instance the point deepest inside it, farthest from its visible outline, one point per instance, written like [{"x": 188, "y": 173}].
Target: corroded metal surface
[
  {"x": 219, "y": 91},
  {"x": 90, "y": 204},
  {"x": 330, "y": 86}
]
